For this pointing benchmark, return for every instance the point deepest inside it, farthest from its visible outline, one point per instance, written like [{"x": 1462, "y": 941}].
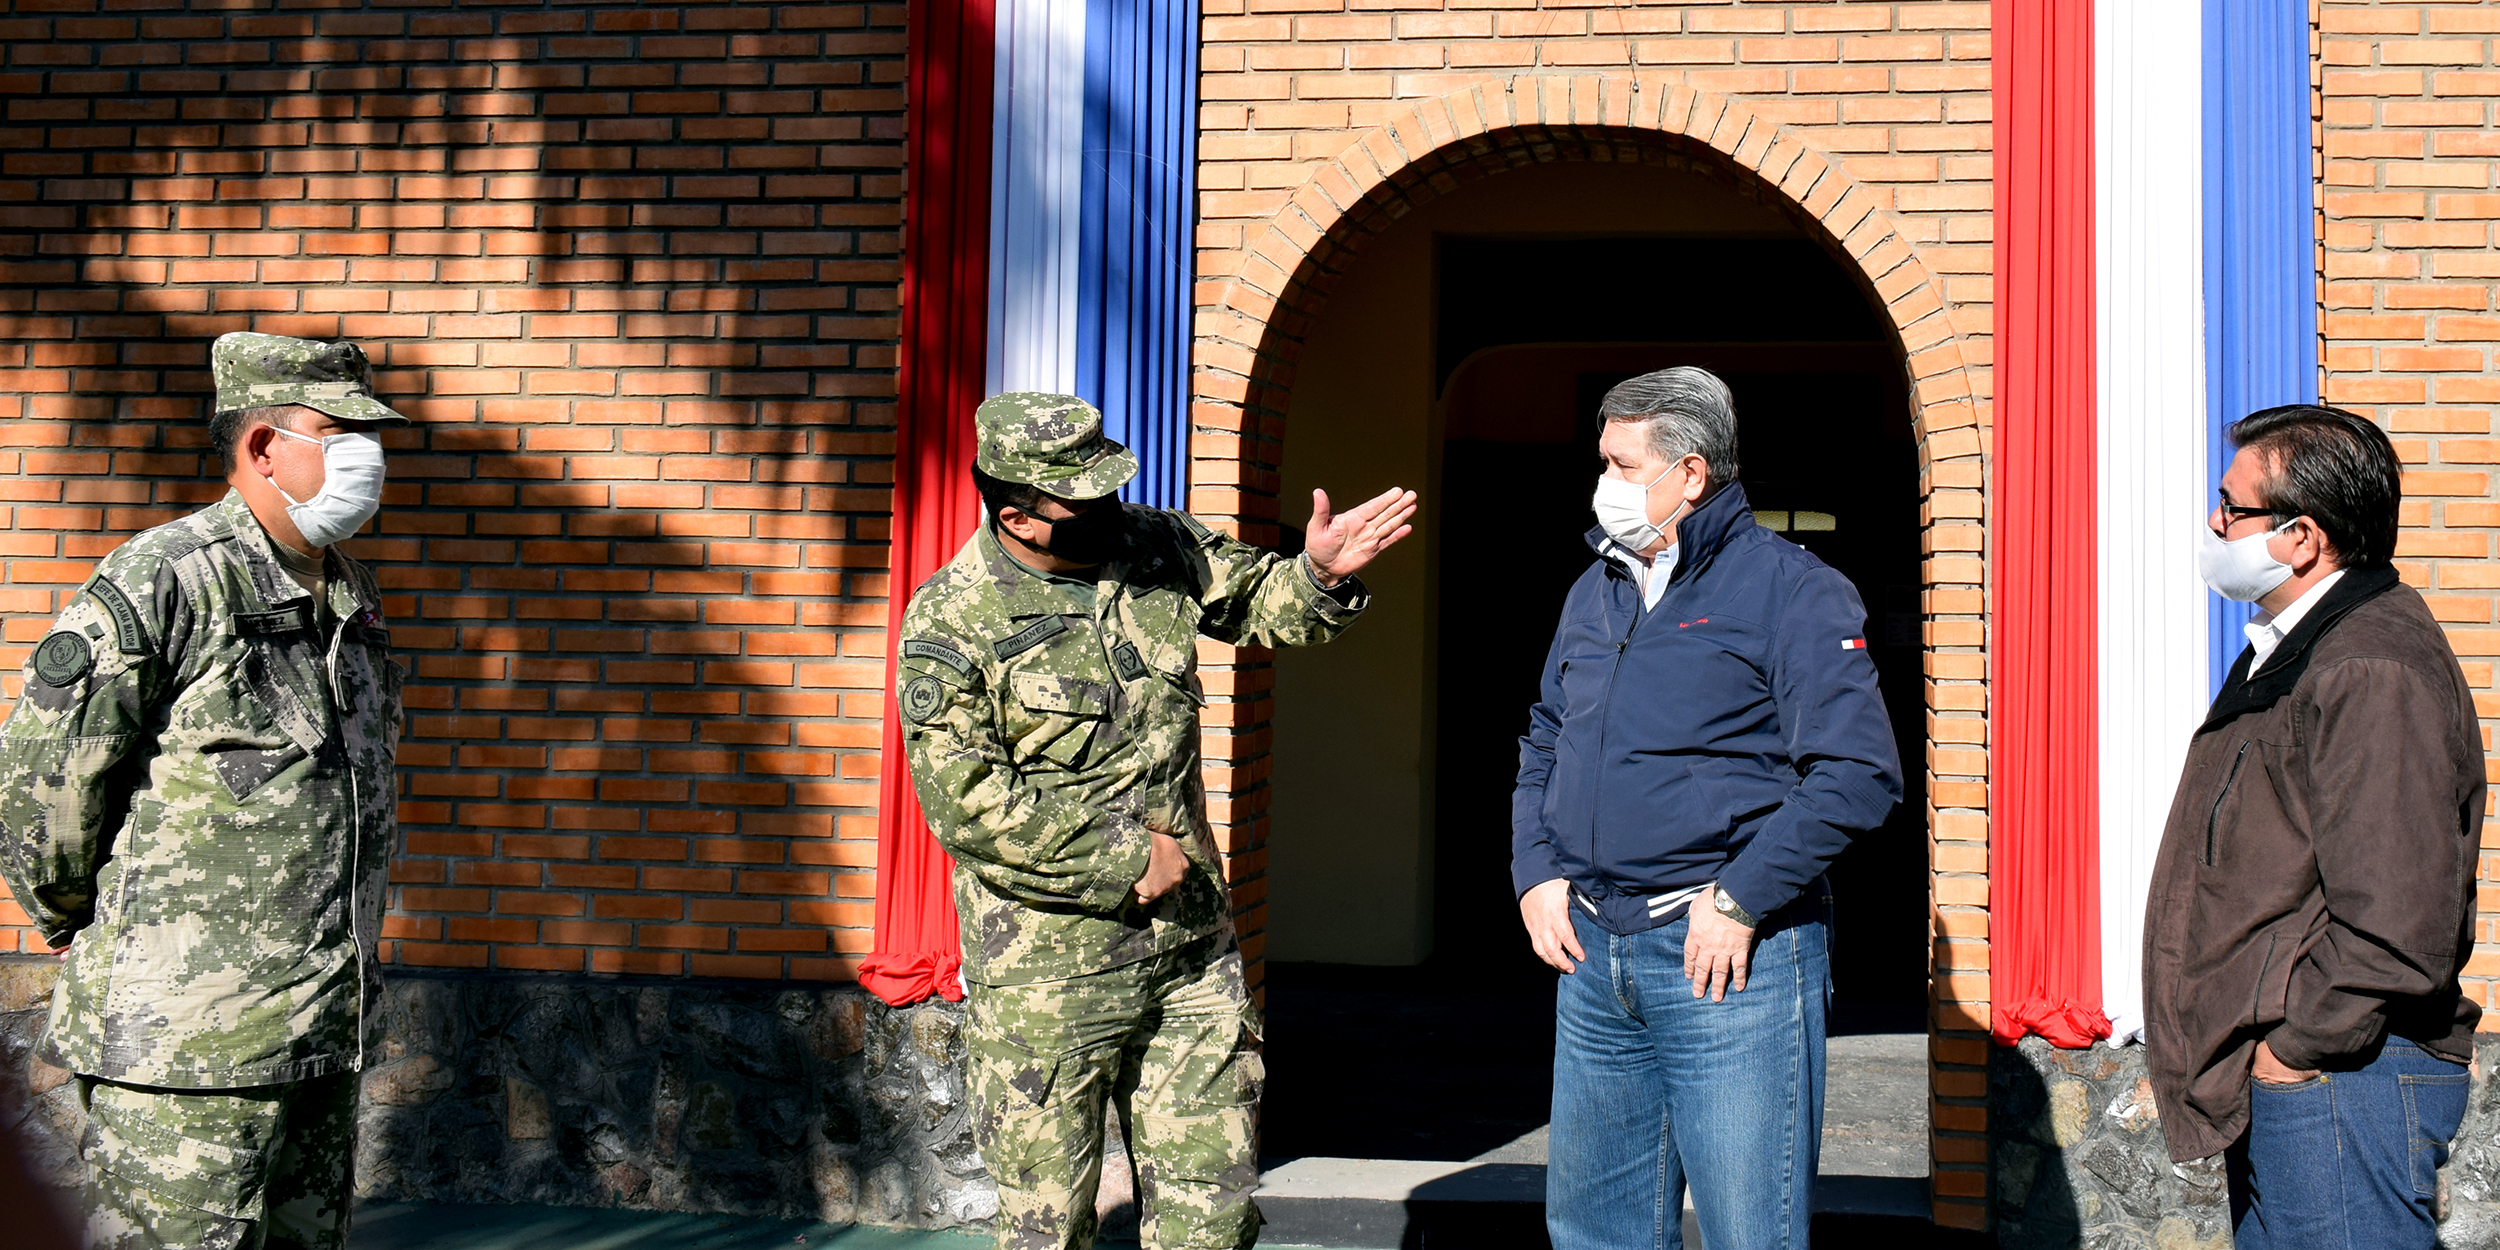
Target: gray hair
[{"x": 1687, "y": 411}]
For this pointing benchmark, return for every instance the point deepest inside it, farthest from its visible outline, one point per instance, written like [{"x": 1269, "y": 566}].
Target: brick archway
[{"x": 1259, "y": 296}]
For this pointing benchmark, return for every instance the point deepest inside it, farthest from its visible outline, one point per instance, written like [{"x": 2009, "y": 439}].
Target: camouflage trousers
[
  {"x": 219, "y": 1169},
  {"x": 1171, "y": 1042}
]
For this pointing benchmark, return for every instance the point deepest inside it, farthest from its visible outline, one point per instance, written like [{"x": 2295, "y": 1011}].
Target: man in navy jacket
[{"x": 1709, "y": 736}]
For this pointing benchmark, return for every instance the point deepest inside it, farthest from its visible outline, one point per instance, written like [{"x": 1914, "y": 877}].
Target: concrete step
[{"x": 1401, "y": 1204}]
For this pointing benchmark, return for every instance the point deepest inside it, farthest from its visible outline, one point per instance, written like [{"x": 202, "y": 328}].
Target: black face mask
[{"x": 1088, "y": 538}]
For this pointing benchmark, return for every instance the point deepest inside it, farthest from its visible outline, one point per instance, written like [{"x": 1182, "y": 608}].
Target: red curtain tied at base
[
  {"x": 946, "y": 248},
  {"x": 2044, "y": 875}
]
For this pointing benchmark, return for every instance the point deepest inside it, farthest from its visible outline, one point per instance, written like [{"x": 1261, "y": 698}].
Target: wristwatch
[{"x": 1728, "y": 907}]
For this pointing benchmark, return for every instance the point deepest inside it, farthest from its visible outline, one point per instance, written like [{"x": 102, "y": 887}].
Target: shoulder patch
[
  {"x": 927, "y": 649},
  {"x": 1030, "y": 636},
  {"x": 922, "y": 696},
  {"x": 128, "y": 634},
  {"x": 63, "y": 658}
]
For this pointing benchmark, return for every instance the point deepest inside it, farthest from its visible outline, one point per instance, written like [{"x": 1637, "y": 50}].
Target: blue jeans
[
  {"x": 1654, "y": 1089},
  {"x": 2347, "y": 1160}
]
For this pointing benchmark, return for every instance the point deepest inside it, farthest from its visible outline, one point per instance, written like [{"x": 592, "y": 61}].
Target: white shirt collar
[
  {"x": 1651, "y": 574},
  {"x": 2266, "y": 632}
]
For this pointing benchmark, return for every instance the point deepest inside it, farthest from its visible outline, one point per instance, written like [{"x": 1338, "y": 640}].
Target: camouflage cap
[
  {"x": 1051, "y": 441},
  {"x": 260, "y": 370}
]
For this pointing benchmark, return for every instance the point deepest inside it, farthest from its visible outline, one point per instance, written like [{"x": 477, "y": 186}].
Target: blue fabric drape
[
  {"x": 2261, "y": 298},
  {"x": 1134, "y": 257}
]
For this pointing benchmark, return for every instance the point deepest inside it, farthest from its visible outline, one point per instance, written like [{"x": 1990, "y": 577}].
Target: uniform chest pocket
[
  {"x": 1163, "y": 627},
  {"x": 1054, "y": 717}
]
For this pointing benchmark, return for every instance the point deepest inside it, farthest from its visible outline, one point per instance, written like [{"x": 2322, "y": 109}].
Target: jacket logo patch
[
  {"x": 1699, "y": 620},
  {"x": 1030, "y": 636},
  {"x": 1853, "y": 644},
  {"x": 63, "y": 658},
  {"x": 923, "y": 649},
  {"x": 127, "y": 632},
  {"x": 1131, "y": 665},
  {"x": 921, "y": 697}
]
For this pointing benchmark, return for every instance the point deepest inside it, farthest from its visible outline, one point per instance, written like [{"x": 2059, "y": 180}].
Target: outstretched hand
[{"x": 1340, "y": 544}]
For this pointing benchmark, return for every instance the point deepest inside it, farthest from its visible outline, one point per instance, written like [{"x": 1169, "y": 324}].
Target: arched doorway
[{"x": 1258, "y": 356}]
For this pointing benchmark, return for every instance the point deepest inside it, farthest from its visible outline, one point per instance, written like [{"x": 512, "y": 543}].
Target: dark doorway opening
[{"x": 1452, "y": 1059}]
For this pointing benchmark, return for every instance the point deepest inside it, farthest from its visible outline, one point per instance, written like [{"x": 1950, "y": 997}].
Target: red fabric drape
[
  {"x": 946, "y": 250},
  {"x": 2044, "y": 874}
]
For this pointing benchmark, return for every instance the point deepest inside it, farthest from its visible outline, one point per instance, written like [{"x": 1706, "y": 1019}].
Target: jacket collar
[
  {"x": 269, "y": 578},
  {"x": 1700, "y": 535},
  {"x": 2243, "y": 693},
  {"x": 1025, "y": 592}
]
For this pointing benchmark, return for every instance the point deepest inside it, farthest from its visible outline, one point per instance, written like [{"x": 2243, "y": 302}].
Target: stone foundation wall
[
  {"x": 38, "y": 1102},
  {"x": 2078, "y": 1159},
  {"x": 769, "y": 1100}
]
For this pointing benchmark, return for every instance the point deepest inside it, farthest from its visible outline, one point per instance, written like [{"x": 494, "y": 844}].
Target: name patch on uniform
[
  {"x": 1131, "y": 665},
  {"x": 63, "y": 658},
  {"x": 278, "y": 621},
  {"x": 1030, "y": 636},
  {"x": 924, "y": 649},
  {"x": 922, "y": 696},
  {"x": 127, "y": 632}
]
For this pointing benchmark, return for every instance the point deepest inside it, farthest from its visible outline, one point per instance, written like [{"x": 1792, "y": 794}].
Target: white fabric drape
[
  {"x": 1036, "y": 180},
  {"x": 2147, "y": 96}
]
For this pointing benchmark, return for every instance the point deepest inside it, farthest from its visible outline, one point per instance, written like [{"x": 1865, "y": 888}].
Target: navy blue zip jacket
[{"x": 1732, "y": 733}]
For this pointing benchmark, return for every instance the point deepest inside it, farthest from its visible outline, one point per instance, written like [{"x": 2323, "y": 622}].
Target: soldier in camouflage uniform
[
  {"x": 197, "y": 795},
  {"x": 1050, "y": 701}
]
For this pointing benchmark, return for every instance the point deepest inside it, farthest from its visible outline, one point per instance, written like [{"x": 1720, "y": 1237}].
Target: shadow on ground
[{"x": 425, "y": 1226}]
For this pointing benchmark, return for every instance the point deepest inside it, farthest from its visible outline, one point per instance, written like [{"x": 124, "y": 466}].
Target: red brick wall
[
  {"x": 2409, "y": 198},
  {"x": 632, "y": 268},
  {"x": 1324, "y": 118}
]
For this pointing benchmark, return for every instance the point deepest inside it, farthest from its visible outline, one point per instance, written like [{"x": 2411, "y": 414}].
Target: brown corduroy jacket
[{"x": 2315, "y": 887}]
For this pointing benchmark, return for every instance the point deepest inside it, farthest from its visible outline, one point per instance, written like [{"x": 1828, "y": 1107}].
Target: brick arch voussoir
[{"x": 1259, "y": 314}]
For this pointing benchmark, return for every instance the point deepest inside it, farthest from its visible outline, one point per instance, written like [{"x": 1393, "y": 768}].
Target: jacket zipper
[
  {"x": 1640, "y": 609},
  {"x": 2213, "y": 816},
  {"x": 355, "y": 834}
]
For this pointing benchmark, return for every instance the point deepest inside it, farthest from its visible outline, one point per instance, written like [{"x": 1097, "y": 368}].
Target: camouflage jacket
[
  {"x": 1050, "y": 725},
  {"x": 199, "y": 784}
]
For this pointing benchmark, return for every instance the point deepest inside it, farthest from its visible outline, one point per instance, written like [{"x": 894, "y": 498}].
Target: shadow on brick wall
[{"x": 634, "y": 270}]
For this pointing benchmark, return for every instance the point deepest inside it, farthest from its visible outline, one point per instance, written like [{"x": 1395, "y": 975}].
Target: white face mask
[
  {"x": 351, "y": 487},
  {"x": 2240, "y": 569},
  {"x": 1622, "y": 510}
]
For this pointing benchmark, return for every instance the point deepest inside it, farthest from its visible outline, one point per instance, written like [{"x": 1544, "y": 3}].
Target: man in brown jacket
[{"x": 2314, "y": 897}]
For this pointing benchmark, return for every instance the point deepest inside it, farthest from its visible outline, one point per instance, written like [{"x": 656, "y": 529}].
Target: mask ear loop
[
  {"x": 283, "y": 432},
  {"x": 1680, "y": 508}
]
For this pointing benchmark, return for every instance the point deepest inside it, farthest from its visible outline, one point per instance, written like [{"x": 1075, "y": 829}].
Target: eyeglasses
[{"x": 2237, "y": 513}]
